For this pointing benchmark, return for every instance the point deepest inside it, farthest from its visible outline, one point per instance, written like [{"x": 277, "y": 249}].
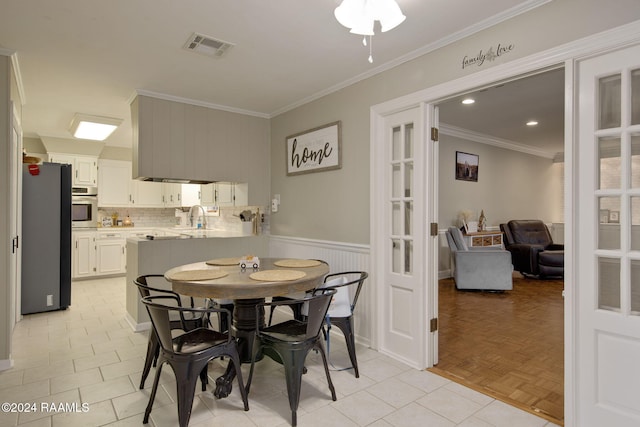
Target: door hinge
[
  {"x": 433, "y": 324},
  {"x": 434, "y": 228},
  {"x": 434, "y": 134}
]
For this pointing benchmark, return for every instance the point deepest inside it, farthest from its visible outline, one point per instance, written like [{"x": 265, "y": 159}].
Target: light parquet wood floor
[{"x": 509, "y": 345}]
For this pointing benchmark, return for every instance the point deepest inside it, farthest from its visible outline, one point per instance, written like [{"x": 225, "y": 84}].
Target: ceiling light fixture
[
  {"x": 97, "y": 128},
  {"x": 468, "y": 101},
  {"x": 532, "y": 123},
  {"x": 359, "y": 16}
]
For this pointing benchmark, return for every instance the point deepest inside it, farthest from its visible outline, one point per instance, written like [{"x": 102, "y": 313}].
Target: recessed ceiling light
[
  {"x": 96, "y": 128},
  {"x": 532, "y": 123},
  {"x": 468, "y": 101}
]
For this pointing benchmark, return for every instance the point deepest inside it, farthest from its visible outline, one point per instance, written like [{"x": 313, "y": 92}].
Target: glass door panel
[
  {"x": 609, "y": 102},
  {"x": 617, "y": 195},
  {"x": 635, "y": 223},
  {"x": 635, "y": 97},
  {"x": 609, "y": 284},
  {"x": 609, "y": 228},
  {"x": 402, "y": 198},
  {"x": 635, "y": 161},
  {"x": 610, "y": 162},
  {"x": 635, "y": 287},
  {"x": 408, "y": 141}
]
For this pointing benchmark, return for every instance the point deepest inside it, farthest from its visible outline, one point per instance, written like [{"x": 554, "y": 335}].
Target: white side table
[{"x": 484, "y": 238}]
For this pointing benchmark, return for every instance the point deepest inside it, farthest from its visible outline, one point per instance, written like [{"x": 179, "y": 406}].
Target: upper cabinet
[
  {"x": 84, "y": 168},
  {"x": 175, "y": 140},
  {"x": 114, "y": 177},
  {"x": 225, "y": 194},
  {"x": 117, "y": 189}
]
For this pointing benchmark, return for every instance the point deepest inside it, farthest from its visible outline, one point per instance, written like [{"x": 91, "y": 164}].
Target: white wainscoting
[{"x": 340, "y": 257}]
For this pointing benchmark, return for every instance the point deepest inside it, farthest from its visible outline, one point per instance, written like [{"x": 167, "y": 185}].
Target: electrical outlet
[{"x": 49, "y": 300}]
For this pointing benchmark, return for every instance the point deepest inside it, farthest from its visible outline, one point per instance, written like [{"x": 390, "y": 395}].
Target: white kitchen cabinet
[
  {"x": 110, "y": 253},
  {"x": 208, "y": 194},
  {"x": 84, "y": 254},
  {"x": 241, "y": 194},
  {"x": 98, "y": 253},
  {"x": 225, "y": 194},
  {"x": 147, "y": 194},
  {"x": 84, "y": 168},
  {"x": 114, "y": 183},
  {"x": 190, "y": 195}
]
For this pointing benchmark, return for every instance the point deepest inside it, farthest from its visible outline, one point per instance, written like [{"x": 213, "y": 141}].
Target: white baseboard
[
  {"x": 6, "y": 364},
  {"x": 137, "y": 327}
]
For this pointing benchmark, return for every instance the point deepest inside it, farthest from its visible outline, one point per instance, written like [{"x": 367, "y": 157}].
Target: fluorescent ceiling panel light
[{"x": 96, "y": 128}]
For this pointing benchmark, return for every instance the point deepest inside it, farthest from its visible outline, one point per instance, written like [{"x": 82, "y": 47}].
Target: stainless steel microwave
[{"x": 84, "y": 207}]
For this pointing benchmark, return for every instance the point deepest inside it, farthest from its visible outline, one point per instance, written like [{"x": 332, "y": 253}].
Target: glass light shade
[
  {"x": 93, "y": 127},
  {"x": 364, "y": 27},
  {"x": 389, "y": 14},
  {"x": 348, "y": 11},
  {"x": 359, "y": 15}
]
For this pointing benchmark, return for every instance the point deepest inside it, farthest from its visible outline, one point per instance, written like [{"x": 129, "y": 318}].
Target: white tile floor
[{"x": 88, "y": 354}]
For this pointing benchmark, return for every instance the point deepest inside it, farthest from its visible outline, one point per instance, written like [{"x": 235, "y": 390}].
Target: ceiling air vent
[{"x": 207, "y": 45}]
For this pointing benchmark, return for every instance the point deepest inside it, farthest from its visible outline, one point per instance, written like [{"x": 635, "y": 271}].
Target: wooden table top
[{"x": 238, "y": 285}]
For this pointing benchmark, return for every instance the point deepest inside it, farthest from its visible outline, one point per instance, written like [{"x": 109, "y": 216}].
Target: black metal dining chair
[
  {"x": 340, "y": 314},
  {"x": 189, "y": 320},
  {"x": 289, "y": 343},
  {"x": 189, "y": 353}
]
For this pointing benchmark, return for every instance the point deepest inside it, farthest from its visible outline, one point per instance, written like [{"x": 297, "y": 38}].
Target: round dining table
[{"x": 246, "y": 293}]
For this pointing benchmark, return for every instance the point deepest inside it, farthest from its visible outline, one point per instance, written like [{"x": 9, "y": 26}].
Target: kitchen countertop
[{"x": 174, "y": 233}]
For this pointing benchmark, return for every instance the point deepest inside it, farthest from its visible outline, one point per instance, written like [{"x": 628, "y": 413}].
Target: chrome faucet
[{"x": 204, "y": 215}]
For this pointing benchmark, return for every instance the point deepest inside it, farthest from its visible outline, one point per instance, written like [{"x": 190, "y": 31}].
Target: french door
[
  {"x": 608, "y": 240},
  {"x": 402, "y": 248}
]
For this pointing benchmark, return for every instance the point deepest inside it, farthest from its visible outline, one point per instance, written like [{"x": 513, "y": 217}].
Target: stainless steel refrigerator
[{"x": 46, "y": 237}]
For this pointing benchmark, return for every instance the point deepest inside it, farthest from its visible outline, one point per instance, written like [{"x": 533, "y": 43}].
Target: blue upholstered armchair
[{"x": 479, "y": 268}]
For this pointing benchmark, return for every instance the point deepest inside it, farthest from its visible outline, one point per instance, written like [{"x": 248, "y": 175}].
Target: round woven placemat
[
  {"x": 195, "y": 275},
  {"x": 277, "y": 275},
  {"x": 224, "y": 261},
  {"x": 297, "y": 263}
]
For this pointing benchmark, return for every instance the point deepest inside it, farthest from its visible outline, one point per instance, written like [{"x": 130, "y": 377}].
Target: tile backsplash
[{"x": 228, "y": 218}]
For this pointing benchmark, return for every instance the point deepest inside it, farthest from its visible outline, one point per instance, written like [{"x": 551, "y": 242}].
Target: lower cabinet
[
  {"x": 83, "y": 258},
  {"x": 110, "y": 253},
  {"x": 98, "y": 253}
]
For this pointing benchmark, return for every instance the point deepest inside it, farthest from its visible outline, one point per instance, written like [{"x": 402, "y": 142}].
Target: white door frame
[{"x": 562, "y": 55}]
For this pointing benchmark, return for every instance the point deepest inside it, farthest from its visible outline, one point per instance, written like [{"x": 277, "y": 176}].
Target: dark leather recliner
[{"x": 532, "y": 249}]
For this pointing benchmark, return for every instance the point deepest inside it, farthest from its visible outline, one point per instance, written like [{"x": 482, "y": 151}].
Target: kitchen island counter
[{"x": 169, "y": 233}]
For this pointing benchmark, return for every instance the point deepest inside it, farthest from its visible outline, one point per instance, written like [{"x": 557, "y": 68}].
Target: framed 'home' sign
[{"x": 315, "y": 150}]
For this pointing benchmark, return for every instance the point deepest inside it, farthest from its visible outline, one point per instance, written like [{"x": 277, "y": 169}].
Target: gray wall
[
  {"x": 511, "y": 185},
  {"x": 334, "y": 205}
]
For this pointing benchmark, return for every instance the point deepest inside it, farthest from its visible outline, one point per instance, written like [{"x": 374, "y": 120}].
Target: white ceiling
[
  {"x": 502, "y": 111},
  {"x": 91, "y": 56}
]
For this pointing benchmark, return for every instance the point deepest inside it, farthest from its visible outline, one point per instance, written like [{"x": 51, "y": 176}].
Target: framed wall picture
[
  {"x": 315, "y": 150},
  {"x": 467, "y": 166}
]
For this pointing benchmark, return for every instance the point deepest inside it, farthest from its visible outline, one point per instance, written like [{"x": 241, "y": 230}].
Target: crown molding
[
  {"x": 490, "y": 140},
  {"x": 196, "y": 102},
  {"x": 452, "y": 38}
]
